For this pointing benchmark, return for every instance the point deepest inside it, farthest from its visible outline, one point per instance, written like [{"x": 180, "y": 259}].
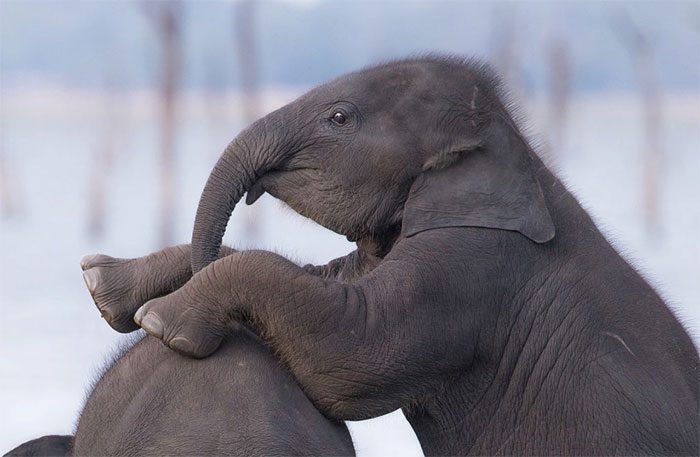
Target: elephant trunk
[{"x": 249, "y": 156}]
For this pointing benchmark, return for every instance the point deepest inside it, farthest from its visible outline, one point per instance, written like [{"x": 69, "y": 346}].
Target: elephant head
[{"x": 398, "y": 148}]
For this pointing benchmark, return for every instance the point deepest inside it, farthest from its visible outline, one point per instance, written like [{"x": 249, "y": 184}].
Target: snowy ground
[{"x": 52, "y": 338}]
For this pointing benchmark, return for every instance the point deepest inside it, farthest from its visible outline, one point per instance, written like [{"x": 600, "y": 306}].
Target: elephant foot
[
  {"x": 182, "y": 322},
  {"x": 115, "y": 288}
]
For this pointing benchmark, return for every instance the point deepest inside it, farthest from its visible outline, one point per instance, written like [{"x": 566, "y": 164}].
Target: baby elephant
[
  {"x": 482, "y": 299},
  {"x": 152, "y": 401}
]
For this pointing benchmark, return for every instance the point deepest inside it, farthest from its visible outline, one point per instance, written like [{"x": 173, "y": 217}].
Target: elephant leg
[
  {"x": 120, "y": 286},
  {"x": 350, "y": 344}
]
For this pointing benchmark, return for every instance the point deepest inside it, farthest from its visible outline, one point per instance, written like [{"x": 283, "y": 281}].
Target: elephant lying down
[{"x": 152, "y": 401}]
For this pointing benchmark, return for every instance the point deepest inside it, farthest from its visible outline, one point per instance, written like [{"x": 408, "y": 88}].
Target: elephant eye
[{"x": 339, "y": 118}]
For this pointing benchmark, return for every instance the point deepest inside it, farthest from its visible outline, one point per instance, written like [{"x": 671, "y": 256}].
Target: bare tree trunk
[
  {"x": 108, "y": 144},
  {"x": 246, "y": 54},
  {"x": 639, "y": 47},
  {"x": 9, "y": 206},
  {"x": 653, "y": 160},
  {"x": 505, "y": 49},
  {"x": 247, "y": 57},
  {"x": 214, "y": 97},
  {"x": 171, "y": 74},
  {"x": 167, "y": 21},
  {"x": 559, "y": 94},
  {"x": 101, "y": 171}
]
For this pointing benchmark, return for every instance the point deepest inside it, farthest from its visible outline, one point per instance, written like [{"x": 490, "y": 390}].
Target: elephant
[
  {"x": 49, "y": 445},
  {"x": 152, "y": 401},
  {"x": 481, "y": 299}
]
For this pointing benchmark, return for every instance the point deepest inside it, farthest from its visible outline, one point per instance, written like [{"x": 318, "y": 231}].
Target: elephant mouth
[
  {"x": 375, "y": 243},
  {"x": 268, "y": 182},
  {"x": 255, "y": 192}
]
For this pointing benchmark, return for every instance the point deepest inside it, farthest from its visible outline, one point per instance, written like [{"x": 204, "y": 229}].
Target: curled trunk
[{"x": 246, "y": 159}]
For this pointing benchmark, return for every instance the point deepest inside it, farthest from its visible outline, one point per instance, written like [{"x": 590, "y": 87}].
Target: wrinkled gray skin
[
  {"x": 482, "y": 299},
  {"x": 152, "y": 401}
]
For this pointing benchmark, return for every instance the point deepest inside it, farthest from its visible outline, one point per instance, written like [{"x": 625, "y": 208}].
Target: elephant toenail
[
  {"x": 182, "y": 345},
  {"x": 106, "y": 315},
  {"x": 139, "y": 314},
  {"x": 87, "y": 261},
  {"x": 152, "y": 324},
  {"x": 90, "y": 277}
]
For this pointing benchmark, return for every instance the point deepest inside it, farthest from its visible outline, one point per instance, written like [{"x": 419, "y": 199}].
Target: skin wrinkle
[
  {"x": 514, "y": 322},
  {"x": 327, "y": 319},
  {"x": 629, "y": 405},
  {"x": 570, "y": 359},
  {"x": 518, "y": 361},
  {"x": 556, "y": 298},
  {"x": 457, "y": 425},
  {"x": 584, "y": 369},
  {"x": 534, "y": 370},
  {"x": 510, "y": 342},
  {"x": 562, "y": 355},
  {"x": 246, "y": 169},
  {"x": 551, "y": 410},
  {"x": 270, "y": 143}
]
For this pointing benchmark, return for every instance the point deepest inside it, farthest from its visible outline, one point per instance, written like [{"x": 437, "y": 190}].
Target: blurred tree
[
  {"x": 247, "y": 56},
  {"x": 559, "y": 60},
  {"x": 108, "y": 144},
  {"x": 9, "y": 201},
  {"x": 214, "y": 97},
  {"x": 245, "y": 44},
  {"x": 100, "y": 172},
  {"x": 505, "y": 48},
  {"x": 691, "y": 14},
  {"x": 166, "y": 17},
  {"x": 639, "y": 46}
]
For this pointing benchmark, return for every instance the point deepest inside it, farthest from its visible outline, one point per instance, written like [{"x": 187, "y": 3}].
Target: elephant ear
[{"x": 488, "y": 183}]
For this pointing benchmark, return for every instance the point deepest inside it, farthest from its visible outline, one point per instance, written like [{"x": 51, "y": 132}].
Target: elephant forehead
[
  {"x": 377, "y": 85},
  {"x": 400, "y": 89}
]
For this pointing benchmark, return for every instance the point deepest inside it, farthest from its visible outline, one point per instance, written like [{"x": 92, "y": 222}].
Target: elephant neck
[{"x": 474, "y": 412}]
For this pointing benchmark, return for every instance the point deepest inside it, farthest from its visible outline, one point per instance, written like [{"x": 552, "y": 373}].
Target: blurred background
[{"x": 112, "y": 114}]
